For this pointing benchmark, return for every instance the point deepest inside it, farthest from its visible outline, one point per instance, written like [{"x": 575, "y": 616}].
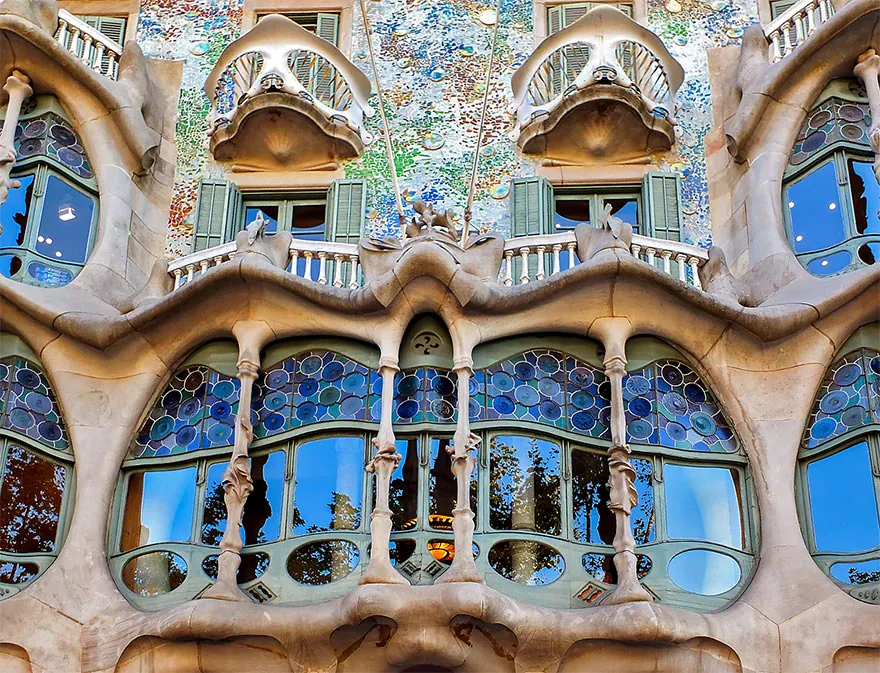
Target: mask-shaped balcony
[
  {"x": 602, "y": 90},
  {"x": 282, "y": 98}
]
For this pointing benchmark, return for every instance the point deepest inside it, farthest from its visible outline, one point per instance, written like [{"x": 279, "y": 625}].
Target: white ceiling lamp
[{"x": 66, "y": 213}]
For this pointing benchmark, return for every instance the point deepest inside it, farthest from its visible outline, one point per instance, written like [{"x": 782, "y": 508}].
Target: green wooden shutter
[
  {"x": 531, "y": 207},
  {"x": 111, "y": 26},
  {"x": 346, "y": 203},
  {"x": 324, "y": 78},
  {"x": 779, "y": 7},
  {"x": 661, "y": 197},
  {"x": 328, "y": 28},
  {"x": 216, "y": 214}
]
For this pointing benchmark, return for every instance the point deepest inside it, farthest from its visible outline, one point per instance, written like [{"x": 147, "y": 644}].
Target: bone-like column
[
  {"x": 623, "y": 495},
  {"x": 868, "y": 70},
  {"x": 237, "y": 480},
  {"x": 382, "y": 465},
  {"x": 18, "y": 88},
  {"x": 463, "y": 568}
]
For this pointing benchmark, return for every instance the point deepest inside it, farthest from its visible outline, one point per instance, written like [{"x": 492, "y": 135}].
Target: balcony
[
  {"x": 282, "y": 98},
  {"x": 89, "y": 45},
  {"x": 791, "y": 28},
  {"x": 602, "y": 90}
]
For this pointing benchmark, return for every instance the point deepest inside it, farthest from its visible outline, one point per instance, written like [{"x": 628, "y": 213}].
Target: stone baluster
[
  {"x": 177, "y": 278},
  {"x": 571, "y": 248},
  {"x": 463, "y": 568},
  {"x": 98, "y": 57},
  {"x": 823, "y": 10},
  {"x": 540, "y": 272},
  {"x": 636, "y": 249},
  {"x": 337, "y": 270},
  {"x": 354, "y": 282},
  {"x": 694, "y": 263},
  {"x": 665, "y": 255},
  {"x": 190, "y": 270},
  {"x": 62, "y": 34},
  {"x": 86, "y": 55},
  {"x": 203, "y": 266},
  {"x": 776, "y": 52},
  {"x": 811, "y": 17},
  {"x": 622, "y": 491},
  {"x": 294, "y": 256},
  {"x": 18, "y": 88},
  {"x": 682, "y": 272},
  {"x": 218, "y": 260},
  {"x": 382, "y": 465},
  {"x": 237, "y": 481},
  {"x": 111, "y": 64},
  {"x": 557, "y": 248},
  {"x": 74, "y": 37},
  {"x": 868, "y": 70},
  {"x": 307, "y": 265},
  {"x": 508, "y": 267},
  {"x": 322, "y": 268},
  {"x": 524, "y": 271},
  {"x": 650, "y": 253}
]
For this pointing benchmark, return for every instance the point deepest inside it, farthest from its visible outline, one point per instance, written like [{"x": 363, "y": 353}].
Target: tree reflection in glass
[
  {"x": 865, "y": 196},
  {"x": 159, "y": 507},
  {"x": 30, "y": 502},
  {"x": 14, "y": 213},
  {"x": 704, "y": 503},
  {"x": 442, "y": 487},
  {"x": 843, "y": 501},
  {"x": 329, "y": 485},
  {"x": 403, "y": 493},
  {"x": 524, "y": 489},
  {"x": 593, "y": 521}
]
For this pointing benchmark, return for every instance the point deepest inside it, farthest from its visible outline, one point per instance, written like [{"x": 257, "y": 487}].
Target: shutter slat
[
  {"x": 661, "y": 199},
  {"x": 217, "y": 214},
  {"x": 346, "y": 201},
  {"x": 531, "y": 207}
]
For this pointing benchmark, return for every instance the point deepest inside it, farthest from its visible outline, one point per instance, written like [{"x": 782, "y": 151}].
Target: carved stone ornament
[
  {"x": 868, "y": 70},
  {"x": 18, "y": 89}
]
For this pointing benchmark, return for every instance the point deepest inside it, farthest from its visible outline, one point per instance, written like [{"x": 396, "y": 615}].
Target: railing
[
  {"x": 88, "y": 44},
  {"x": 796, "y": 24},
  {"x": 530, "y": 258},
  {"x": 603, "y": 46},
  {"x": 279, "y": 55},
  {"x": 326, "y": 263}
]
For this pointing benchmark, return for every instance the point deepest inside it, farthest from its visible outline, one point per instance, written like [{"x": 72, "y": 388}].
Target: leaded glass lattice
[
  {"x": 832, "y": 121},
  {"x": 28, "y": 404},
  {"x": 668, "y": 405},
  {"x": 51, "y": 136},
  {"x": 848, "y": 398}
]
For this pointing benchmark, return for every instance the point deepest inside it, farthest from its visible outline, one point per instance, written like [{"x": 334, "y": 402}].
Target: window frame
[
  {"x": 597, "y": 195},
  {"x": 252, "y": 10},
  {"x": 286, "y": 202},
  {"x": 540, "y": 12}
]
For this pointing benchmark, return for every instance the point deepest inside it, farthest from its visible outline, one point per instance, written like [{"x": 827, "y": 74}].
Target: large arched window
[
  {"x": 839, "y": 470},
  {"x": 831, "y": 199},
  {"x": 36, "y": 468},
  {"x": 49, "y": 222}
]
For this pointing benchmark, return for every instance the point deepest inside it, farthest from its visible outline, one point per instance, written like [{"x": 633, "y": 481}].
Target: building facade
[{"x": 393, "y": 335}]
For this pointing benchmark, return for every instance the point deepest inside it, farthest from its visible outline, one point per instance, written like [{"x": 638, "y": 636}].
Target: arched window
[
  {"x": 36, "y": 468},
  {"x": 49, "y": 222},
  {"x": 839, "y": 470},
  {"x": 831, "y": 199}
]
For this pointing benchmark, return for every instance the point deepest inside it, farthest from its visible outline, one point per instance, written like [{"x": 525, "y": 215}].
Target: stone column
[
  {"x": 868, "y": 70},
  {"x": 463, "y": 568},
  {"x": 380, "y": 570},
  {"x": 18, "y": 88},
  {"x": 623, "y": 495},
  {"x": 237, "y": 479}
]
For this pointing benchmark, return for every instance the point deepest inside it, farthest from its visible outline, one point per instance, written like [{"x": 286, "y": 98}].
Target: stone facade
[{"x": 752, "y": 329}]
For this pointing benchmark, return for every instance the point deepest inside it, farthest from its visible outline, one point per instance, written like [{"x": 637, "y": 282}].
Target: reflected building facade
[{"x": 396, "y": 337}]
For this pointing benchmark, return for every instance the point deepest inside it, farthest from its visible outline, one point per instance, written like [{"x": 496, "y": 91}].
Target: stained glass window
[{"x": 28, "y": 405}]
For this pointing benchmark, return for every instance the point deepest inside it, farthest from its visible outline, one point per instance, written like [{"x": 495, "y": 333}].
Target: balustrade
[
  {"x": 791, "y": 28},
  {"x": 91, "y": 46}
]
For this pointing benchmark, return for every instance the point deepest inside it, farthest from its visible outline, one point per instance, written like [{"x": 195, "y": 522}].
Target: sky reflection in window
[
  {"x": 703, "y": 503},
  {"x": 814, "y": 206},
  {"x": 66, "y": 222},
  {"x": 843, "y": 502},
  {"x": 865, "y": 196},
  {"x": 159, "y": 507},
  {"x": 14, "y": 213},
  {"x": 329, "y": 485}
]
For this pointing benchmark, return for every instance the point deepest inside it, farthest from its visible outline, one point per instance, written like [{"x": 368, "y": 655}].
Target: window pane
[
  {"x": 829, "y": 264},
  {"x": 159, "y": 507},
  {"x": 329, "y": 485},
  {"x": 572, "y": 212},
  {"x": 843, "y": 502},
  {"x": 443, "y": 487},
  {"x": 816, "y": 216},
  {"x": 65, "y": 223},
  {"x": 524, "y": 492},
  {"x": 627, "y": 210},
  {"x": 703, "y": 503},
  {"x": 308, "y": 222},
  {"x": 593, "y": 521},
  {"x": 404, "y": 491},
  {"x": 14, "y": 213},
  {"x": 269, "y": 213},
  {"x": 865, "y": 196},
  {"x": 643, "y": 513},
  {"x": 706, "y": 572},
  {"x": 30, "y": 502}
]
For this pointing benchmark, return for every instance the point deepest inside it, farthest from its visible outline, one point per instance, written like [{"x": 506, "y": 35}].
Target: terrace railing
[
  {"x": 791, "y": 28},
  {"x": 88, "y": 44}
]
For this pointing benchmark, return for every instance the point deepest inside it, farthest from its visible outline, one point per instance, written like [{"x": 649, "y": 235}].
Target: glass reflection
[
  {"x": 842, "y": 501},
  {"x": 14, "y": 213},
  {"x": 572, "y": 212},
  {"x": 830, "y": 264},
  {"x": 270, "y": 213},
  {"x": 857, "y": 572},
  {"x": 158, "y": 572},
  {"x": 12, "y": 572},
  {"x": 66, "y": 222},
  {"x": 443, "y": 487},
  {"x": 593, "y": 521},
  {"x": 627, "y": 210},
  {"x": 252, "y": 566},
  {"x": 308, "y": 222},
  {"x": 526, "y": 562},
  {"x": 704, "y": 503},
  {"x": 322, "y": 562},
  {"x": 158, "y": 508},
  {"x": 601, "y": 566},
  {"x": 705, "y": 572},
  {"x": 816, "y": 215},
  {"x": 524, "y": 489},
  {"x": 329, "y": 485},
  {"x": 30, "y": 502},
  {"x": 404, "y": 489},
  {"x": 865, "y": 196}
]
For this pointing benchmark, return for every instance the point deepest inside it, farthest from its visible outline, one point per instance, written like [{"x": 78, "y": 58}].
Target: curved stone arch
[
  {"x": 37, "y": 468},
  {"x": 15, "y": 659},
  {"x": 838, "y": 462}
]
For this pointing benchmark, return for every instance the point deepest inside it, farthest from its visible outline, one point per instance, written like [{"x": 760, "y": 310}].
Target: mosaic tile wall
[{"x": 432, "y": 56}]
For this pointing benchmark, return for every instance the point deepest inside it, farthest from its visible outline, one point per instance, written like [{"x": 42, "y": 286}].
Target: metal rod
[
  {"x": 468, "y": 211},
  {"x": 389, "y": 149}
]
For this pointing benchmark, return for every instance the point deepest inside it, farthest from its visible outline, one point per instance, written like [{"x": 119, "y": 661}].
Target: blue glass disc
[
  {"x": 638, "y": 385},
  {"x": 549, "y": 387},
  {"x": 548, "y": 364},
  {"x": 27, "y": 378},
  {"x": 703, "y": 423},
  {"x": 847, "y": 375},
  {"x": 310, "y": 365},
  {"x": 524, "y": 371},
  {"x": 49, "y": 431},
  {"x": 308, "y": 387},
  {"x": 581, "y": 377},
  {"x": 274, "y": 401},
  {"x": 38, "y": 402},
  {"x": 351, "y": 405},
  {"x": 823, "y": 428},
  {"x": 503, "y": 381},
  {"x": 408, "y": 409},
  {"x": 550, "y": 410},
  {"x": 527, "y": 395},
  {"x": 504, "y": 405},
  {"x": 224, "y": 389},
  {"x": 277, "y": 378},
  {"x": 639, "y": 406},
  {"x": 582, "y": 399},
  {"x": 408, "y": 385},
  {"x": 675, "y": 403},
  {"x": 672, "y": 375},
  {"x": 162, "y": 427},
  {"x": 221, "y": 410},
  {"x": 354, "y": 382},
  {"x": 273, "y": 422},
  {"x": 333, "y": 371},
  {"x": 443, "y": 385},
  {"x": 21, "y": 419},
  {"x": 639, "y": 429},
  {"x": 676, "y": 432},
  {"x": 583, "y": 420},
  {"x": 306, "y": 412},
  {"x": 854, "y": 417},
  {"x": 185, "y": 435},
  {"x": 834, "y": 402},
  {"x": 189, "y": 408},
  {"x": 330, "y": 396},
  {"x": 694, "y": 393},
  {"x": 219, "y": 433}
]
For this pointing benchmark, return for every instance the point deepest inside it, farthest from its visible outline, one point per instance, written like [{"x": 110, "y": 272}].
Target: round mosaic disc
[
  {"x": 189, "y": 408},
  {"x": 675, "y": 403},
  {"x": 443, "y": 385},
  {"x": 548, "y": 364},
  {"x": 504, "y": 405},
  {"x": 193, "y": 381},
  {"x": 353, "y": 382},
  {"x": 834, "y": 402},
  {"x": 273, "y": 422},
  {"x": 503, "y": 381},
  {"x": 474, "y": 409},
  {"x": 329, "y": 396},
  {"x": 638, "y": 385},
  {"x": 162, "y": 427},
  {"x": 221, "y": 410},
  {"x": 639, "y": 406},
  {"x": 819, "y": 119},
  {"x": 851, "y": 113},
  {"x": 852, "y": 131},
  {"x": 550, "y": 410},
  {"x": 582, "y": 399},
  {"x": 605, "y": 391},
  {"x": 185, "y": 435},
  {"x": 583, "y": 420},
  {"x": 847, "y": 375},
  {"x": 525, "y": 371},
  {"x": 63, "y": 135},
  {"x": 35, "y": 129},
  {"x": 306, "y": 412},
  {"x": 30, "y": 147},
  {"x": 219, "y": 433},
  {"x": 274, "y": 401},
  {"x": 171, "y": 399},
  {"x": 694, "y": 393},
  {"x": 351, "y": 405},
  {"x": 70, "y": 157},
  {"x": 310, "y": 365},
  {"x": 676, "y": 432},
  {"x": 639, "y": 429},
  {"x": 854, "y": 416},
  {"x": 49, "y": 431},
  {"x": 20, "y": 418},
  {"x": 408, "y": 385},
  {"x": 38, "y": 402},
  {"x": 277, "y": 378},
  {"x": 703, "y": 423},
  {"x": 408, "y": 409},
  {"x": 527, "y": 395},
  {"x": 27, "y": 378},
  {"x": 581, "y": 377},
  {"x": 333, "y": 371},
  {"x": 875, "y": 365},
  {"x": 813, "y": 141},
  {"x": 224, "y": 389},
  {"x": 672, "y": 375},
  {"x": 308, "y": 387},
  {"x": 823, "y": 428},
  {"x": 549, "y": 387},
  {"x": 442, "y": 409}
]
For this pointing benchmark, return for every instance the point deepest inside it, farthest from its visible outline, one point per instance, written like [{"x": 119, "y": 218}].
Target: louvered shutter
[
  {"x": 779, "y": 7},
  {"x": 531, "y": 207},
  {"x": 346, "y": 203},
  {"x": 216, "y": 214},
  {"x": 576, "y": 55},
  {"x": 111, "y": 26},
  {"x": 661, "y": 196},
  {"x": 325, "y": 74},
  {"x": 554, "y": 25}
]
